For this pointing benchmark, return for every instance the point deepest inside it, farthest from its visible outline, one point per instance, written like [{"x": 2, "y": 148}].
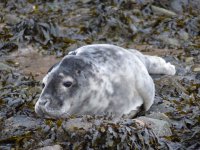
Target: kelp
[
  {"x": 17, "y": 91},
  {"x": 56, "y": 27},
  {"x": 105, "y": 134},
  {"x": 187, "y": 115}
]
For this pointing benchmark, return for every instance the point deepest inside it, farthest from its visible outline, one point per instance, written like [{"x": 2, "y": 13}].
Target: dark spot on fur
[
  {"x": 53, "y": 67},
  {"x": 72, "y": 53}
]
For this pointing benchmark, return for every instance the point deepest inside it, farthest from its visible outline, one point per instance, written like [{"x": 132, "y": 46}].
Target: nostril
[{"x": 43, "y": 102}]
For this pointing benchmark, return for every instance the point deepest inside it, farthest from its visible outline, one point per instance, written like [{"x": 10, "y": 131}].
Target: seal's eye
[
  {"x": 43, "y": 85},
  {"x": 67, "y": 84},
  {"x": 78, "y": 71}
]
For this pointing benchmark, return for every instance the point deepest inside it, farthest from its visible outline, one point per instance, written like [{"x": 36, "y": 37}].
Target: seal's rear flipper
[
  {"x": 155, "y": 64},
  {"x": 136, "y": 113}
]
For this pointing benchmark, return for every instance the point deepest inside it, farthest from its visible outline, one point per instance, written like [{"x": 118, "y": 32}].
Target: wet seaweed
[{"x": 56, "y": 27}]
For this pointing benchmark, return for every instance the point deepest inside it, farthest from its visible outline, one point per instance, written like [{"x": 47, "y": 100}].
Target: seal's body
[{"x": 100, "y": 78}]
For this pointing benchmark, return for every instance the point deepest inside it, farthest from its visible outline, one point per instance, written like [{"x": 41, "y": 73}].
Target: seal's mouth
[{"x": 45, "y": 111}]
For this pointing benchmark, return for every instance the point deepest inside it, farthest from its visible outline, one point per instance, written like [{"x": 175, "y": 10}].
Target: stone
[
  {"x": 86, "y": 1},
  {"x": 170, "y": 41},
  {"x": 162, "y": 106},
  {"x": 15, "y": 102},
  {"x": 159, "y": 116},
  {"x": 53, "y": 147},
  {"x": 22, "y": 121},
  {"x": 18, "y": 125},
  {"x": 160, "y": 127},
  {"x": 12, "y": 19},
  {"x": 77, "y": 123},
  {"x": 189, "y": 59},
  {"x": 184, "y": 35},
  {"x": 5, "y": 67},
  {"x": 196, "y": 68},
  {"x": 178, "y": 5}
]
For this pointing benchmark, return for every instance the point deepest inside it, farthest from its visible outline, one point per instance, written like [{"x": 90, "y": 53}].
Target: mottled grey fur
[{"x": 106, "y": 78}]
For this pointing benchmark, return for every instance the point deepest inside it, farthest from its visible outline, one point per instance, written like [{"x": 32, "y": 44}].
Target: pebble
[
  {"x": 53, "y": 147},
  {"x": 160, "y": 127}
]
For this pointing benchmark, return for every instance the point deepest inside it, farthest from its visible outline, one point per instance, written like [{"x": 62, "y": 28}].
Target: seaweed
[{"x": 57, "y": 27}]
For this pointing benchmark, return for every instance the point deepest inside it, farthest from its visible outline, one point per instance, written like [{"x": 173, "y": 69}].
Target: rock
[
  {"x": 159, "y": 116},
  {"x": 5, "y": 67},
  {"x": 22, "y": 121},
  {"x": 178, "y": 5},
  {"x": 12, "y": 19},
  {"x": 15, "y": 102},
  {"x": 18, "y": 125},
  {"x": 6, "y": 147},
  {"x": 53, "y": 147},
  {"x": 143, "y": 2},
  {"x": 86, "y": 1},
  {"x": 189, "y": 59},
  {"x": 46, "y": 142},
  {"x": 184, "y": 35},
  {"x": 162, "y": 106},
  {"x": 162, "y": 11},
  {"x": 160, "y": 127},
  {"x": 74, "y": 124},
  {"x": 196, "y": 68},
  {"x": 195, "y": 5},
  {"x": 170, "y": 41}
]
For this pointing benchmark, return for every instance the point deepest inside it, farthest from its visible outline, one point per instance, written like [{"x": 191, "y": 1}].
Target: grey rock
[
  {"x": 77, "y": 123},
  {"x": 161, "y": 106},
  {"x": 161, "y": 11},
  {"x": 86, "y": 1},
  {"x": 11, "y": 19},
  {"x": 196, "y": 68},
  {"x": 166, "y": 106},
  {"x": 142, "y": 2},
  {"x": 195, "y": 4},
  {"x": 47, "y": 129},
  {"x": 184, "y": 35},
  {"x": 15, "y": 102},
  {"x": 170, "y": 41},
  {"x": 5, "y": 67},
  {"x": 6, "y": 147},
  {"x": 178, "y": 5},
  {"x": 45, "y": 143},
  {"x": 159, "y": 116},
  {"x": 53, "y": 147},
  {"x": 160, "y": 127},
  {"x": 18, "y": 125},
  {"x": 189, "y": 60},
  {"x": 22, "y": 121}
]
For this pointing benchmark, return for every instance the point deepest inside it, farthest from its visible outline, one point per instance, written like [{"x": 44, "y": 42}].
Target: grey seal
[{"x": 100, "y": 78}]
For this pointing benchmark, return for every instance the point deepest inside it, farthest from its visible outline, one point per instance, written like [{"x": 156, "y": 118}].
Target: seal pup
[{"x": 100, "y": 78}]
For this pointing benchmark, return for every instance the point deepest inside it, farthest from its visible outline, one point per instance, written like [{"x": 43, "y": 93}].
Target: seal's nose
[
  {"x": 44, "y": 100},
  {"x": 40, "y": 106}
]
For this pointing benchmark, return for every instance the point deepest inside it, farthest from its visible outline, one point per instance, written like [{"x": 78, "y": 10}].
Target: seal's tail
[{"x": 155, "y": 64}]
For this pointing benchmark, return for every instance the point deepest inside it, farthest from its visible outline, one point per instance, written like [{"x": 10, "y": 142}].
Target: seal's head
[{"x": 59, "y": 95}]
